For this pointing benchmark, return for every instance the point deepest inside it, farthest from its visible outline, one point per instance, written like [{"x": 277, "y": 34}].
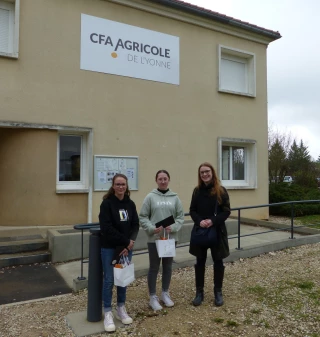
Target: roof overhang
[
  {"x": 208, "y": 14},
  {"x": 183, "y": 11}
]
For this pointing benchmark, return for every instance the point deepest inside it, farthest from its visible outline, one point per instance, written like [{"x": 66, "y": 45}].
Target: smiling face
[
  {"x": 205, "y": 173},
  {"x": 120, "y": 187},
  {"x": 162, "y": 181}
]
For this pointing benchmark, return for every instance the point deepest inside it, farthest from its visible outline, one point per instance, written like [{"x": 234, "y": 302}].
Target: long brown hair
[
  {"x": 216, "y": 189},
  {"x": 111, "y": 189}
]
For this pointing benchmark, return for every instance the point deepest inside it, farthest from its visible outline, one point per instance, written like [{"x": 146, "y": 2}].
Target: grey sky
[{"x": 293, "y": 61}]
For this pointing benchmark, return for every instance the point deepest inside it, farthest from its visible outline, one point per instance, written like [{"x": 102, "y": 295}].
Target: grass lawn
[{"x": 310, "y": 219}]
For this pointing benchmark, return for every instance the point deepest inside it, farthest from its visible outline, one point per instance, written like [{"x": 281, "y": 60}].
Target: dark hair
[
  {"x": 111, "y": 189},
  {"x": 162, "y": 171},
  {"x": 216, "y": 189}
]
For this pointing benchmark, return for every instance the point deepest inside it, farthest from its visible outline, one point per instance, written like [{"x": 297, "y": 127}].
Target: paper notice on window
[
  {"x": 122, "y": 165},
  {"x": 112, "y": 164},
  {"x": 130, "y": 173},
  {"x": 102, "y": 176}
]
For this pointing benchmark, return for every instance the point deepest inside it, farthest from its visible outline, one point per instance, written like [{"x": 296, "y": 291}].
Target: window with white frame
[
  {"x": 237, "y": 163},
  {"x": 237, "y": 73},
  {"x": 9, "y": 28},
  {"x": 72, "y": 170}
]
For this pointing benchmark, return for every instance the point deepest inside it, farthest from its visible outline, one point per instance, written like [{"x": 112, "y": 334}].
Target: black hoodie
[{"x": 119, "y": 222}]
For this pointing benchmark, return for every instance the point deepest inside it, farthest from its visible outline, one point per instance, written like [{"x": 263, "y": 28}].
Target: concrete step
[
  {"x": 12, "y": 246},
  {"x": 9, "y": 260}
]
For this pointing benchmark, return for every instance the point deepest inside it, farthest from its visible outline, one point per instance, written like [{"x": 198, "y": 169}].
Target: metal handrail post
[
  {"x": 292, "y": 216},
  {"x": 81, "y": 277},
  {"x": 94, "y": 308},
  {"x": 239, "y": 248}
]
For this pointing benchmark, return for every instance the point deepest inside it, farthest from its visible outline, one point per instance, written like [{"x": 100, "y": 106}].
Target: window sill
[
  {"x": 225, "y": 91},
  {"x": 232, "y": 187},
  {"x": 9, "y": 55},
  {"x": 70, "y": 190}
]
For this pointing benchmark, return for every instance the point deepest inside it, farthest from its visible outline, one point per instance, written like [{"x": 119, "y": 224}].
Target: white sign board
[
  {"x": 115, "y": 48},
  {"x": 106, "y": 167}
]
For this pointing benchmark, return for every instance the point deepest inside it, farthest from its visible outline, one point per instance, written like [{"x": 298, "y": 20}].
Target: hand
[
  {"x": 168, "y": 229},
  {"x": 158, "y": 230},
  {"x": 209, "y": 223},
  {"x": 125, "y": 252},
  {"x": 203, "y": 223},
  {"x": 131, "y": 244},
  {"x": 206, "y": 223}
]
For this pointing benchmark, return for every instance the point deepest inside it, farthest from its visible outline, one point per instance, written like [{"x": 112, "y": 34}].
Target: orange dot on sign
[{"x": 114, "y": 55}]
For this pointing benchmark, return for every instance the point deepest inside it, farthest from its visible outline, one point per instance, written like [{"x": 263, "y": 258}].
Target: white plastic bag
[
  {"x": 125, "y": 275},
  {"x": 167, "y": 247}
]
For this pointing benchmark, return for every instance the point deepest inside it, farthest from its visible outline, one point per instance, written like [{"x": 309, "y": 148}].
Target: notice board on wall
[{"x": 106, "y": 167}]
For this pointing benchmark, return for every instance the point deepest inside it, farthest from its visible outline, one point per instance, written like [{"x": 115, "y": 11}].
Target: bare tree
[
  {"x": 285, "y": 139},
  {"x": 279, "y": 145}
]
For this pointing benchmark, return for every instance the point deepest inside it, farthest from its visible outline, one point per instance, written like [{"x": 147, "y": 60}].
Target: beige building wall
[
  {"x": 167, "y": 126},
  {"x": 28, "y": 182}
]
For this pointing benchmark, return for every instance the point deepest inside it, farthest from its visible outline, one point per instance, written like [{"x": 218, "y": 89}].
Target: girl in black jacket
[
  {"x": 207, "y": 198},
  {"x": 119, "y": 224}
]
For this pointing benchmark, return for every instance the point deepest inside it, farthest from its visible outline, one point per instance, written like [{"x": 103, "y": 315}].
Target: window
[
  {"x": 237, "y": 72},
  {"x": 237, "y": 163},
  {"x": 72, "y": 163},
  {"x": 9, "y": 28}
]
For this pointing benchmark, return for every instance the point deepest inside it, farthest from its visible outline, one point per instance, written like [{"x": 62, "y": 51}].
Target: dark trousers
[
  {"x": 218, "y": 270},
  {"x": 201, "y": 261},
  {"x": 154, "y": 264}
]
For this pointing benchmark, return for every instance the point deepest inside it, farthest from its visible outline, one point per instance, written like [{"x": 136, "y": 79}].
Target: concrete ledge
[
  {"x": 275, "y": 225},
  {"x": 256, "y": 250},
  {"x": 65, "y": 244},
  {"x": 23, "y": 246},
  {"x": 31, "y": 258}
]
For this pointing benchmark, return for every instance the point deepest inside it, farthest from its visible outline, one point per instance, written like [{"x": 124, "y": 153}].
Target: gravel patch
[
  {"x": 283, "y": 220},
  {"x": 272, "y": 295}
]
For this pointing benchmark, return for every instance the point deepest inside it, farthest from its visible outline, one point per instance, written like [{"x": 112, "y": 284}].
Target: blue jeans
[{"x": 106, "y": 257}]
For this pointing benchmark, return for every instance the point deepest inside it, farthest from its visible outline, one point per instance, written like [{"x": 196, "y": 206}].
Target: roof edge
[{"x": 208, "y": 14}]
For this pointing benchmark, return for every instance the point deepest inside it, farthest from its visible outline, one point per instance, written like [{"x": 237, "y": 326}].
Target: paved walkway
[
  {"x": 71, "y": 270},
  {"x": 251, "y": 245}
]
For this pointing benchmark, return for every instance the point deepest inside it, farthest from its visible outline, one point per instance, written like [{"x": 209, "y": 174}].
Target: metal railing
[
  {"x": 84, "y": 227},
  {"x": 88, "y": 226},
  {"x": 292, "y": 227}
]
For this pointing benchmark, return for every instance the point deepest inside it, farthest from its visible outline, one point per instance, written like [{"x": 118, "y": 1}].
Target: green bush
[{"x": 283, "y": 192}]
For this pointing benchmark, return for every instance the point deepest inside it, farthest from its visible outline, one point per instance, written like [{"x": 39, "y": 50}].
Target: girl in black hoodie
[{"x": 119, "y": 224}]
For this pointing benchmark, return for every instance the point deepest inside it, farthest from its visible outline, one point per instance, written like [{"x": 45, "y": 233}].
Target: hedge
[{"x": 283, "y": 192}]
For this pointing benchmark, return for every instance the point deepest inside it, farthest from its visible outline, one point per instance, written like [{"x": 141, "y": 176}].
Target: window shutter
[
  {"x": 4, "y": 30},
  {"x": 233, "y": 75}
]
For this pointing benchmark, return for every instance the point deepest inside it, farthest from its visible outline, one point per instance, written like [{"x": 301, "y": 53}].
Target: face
[
  {"x": 162, "y": 181},
  {"x": 205, "y": 174},
  {"x": 119, "y": 186}
]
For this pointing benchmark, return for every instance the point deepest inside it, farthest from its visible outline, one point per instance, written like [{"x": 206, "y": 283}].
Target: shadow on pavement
[{"x": 28, "y": 282}]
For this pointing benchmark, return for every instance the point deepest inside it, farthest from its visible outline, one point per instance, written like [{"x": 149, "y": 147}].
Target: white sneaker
[
  {"x": 108, "y": 322},
  {"x": 122, "y": 315},
  {"x": 165, "y": 297},
  {"x": 154, "y": 303}
]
